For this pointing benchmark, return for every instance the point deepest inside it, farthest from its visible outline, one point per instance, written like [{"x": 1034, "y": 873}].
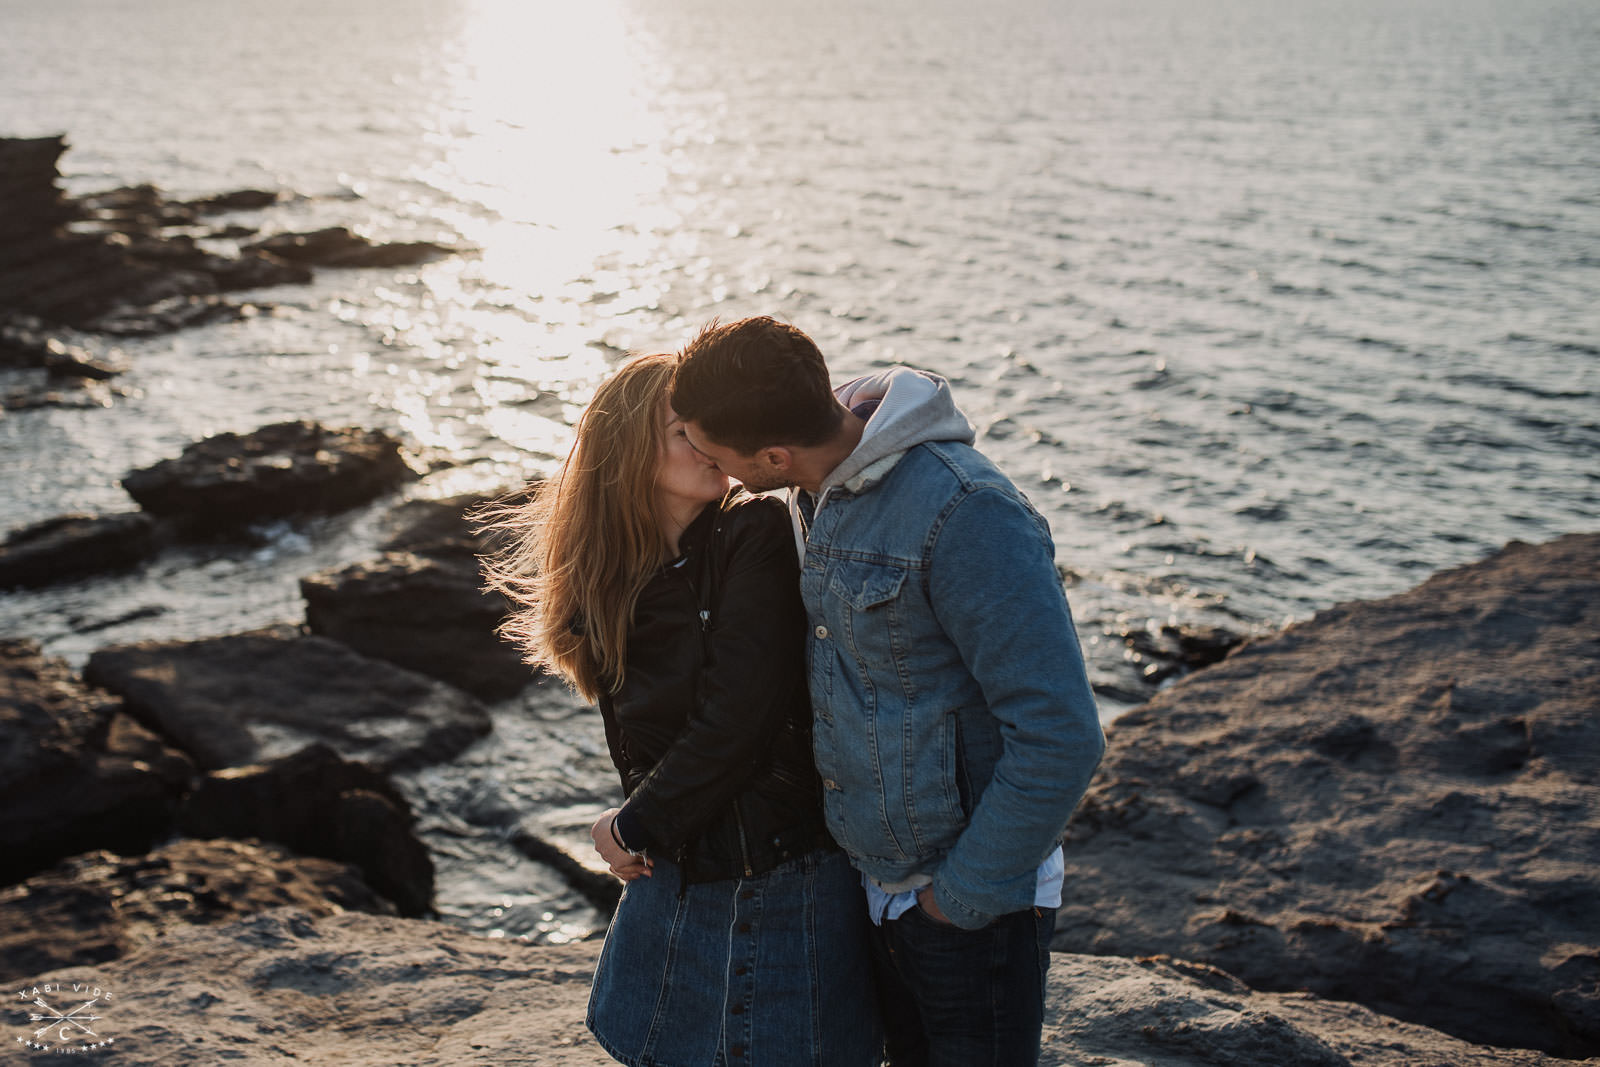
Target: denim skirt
[{"x": 765, "y": 971}]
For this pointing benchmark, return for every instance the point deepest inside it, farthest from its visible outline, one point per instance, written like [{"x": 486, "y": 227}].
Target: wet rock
[
  {"x": 448, "y": 997},
  {"x": 121, "y": 257},
  {"x": 336, "y": 246},
  {"x": 26, "y": 344},
  {"x": 99, "y": 906},
  {"x": 238, "y": 200},
  {"x": 226, "y": 482},
  {"x": 31, "y": 203},
  {"x": 54, "y": 393},
  {"x": 443, "y": 529},
  {"x": 422, "y": 604},
  {"x": 75, "y": 772},
  {"x": 71, "y": 546},
  {"x": 1392, "y": 804},
  {"x": 319, "y": 804},
  {"x": 245, "y": 698},
  {"x": 1168, "y": 652},
  {"x": 429, "y": 615}
]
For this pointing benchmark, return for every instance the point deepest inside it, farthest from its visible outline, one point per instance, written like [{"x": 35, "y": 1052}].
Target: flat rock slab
[
  {"x": 1396, "y": 803},
  {"x": 71, "y": 546},
  {"x": 284, "y": 987},
  {"x": 230, "y": 480},
  {"x": 336, "y": 246},
  {"x": 245, "y": 698}
]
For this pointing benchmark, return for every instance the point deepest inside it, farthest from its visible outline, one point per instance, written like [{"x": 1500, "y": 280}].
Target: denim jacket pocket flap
[{"x": 864, "y": 590}]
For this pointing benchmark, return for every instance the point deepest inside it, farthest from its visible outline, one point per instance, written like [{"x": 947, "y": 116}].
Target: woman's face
[{"x": 685, "y": 479}]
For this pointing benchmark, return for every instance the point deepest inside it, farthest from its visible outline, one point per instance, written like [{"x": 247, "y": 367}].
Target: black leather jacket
[{"x": 711, "y": 729}]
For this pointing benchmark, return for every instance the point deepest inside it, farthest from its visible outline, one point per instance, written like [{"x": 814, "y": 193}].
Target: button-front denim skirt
[{"x": 766, "y": 972}]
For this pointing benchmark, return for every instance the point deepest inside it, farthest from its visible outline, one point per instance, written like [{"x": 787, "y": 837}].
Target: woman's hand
[{"x": 623, "y": 863}]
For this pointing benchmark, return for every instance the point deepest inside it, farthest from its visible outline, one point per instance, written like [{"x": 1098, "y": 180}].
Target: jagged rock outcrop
[
  {"x": 226, "y": 482},
  {"x": 98, "y": 906},
  {"x": 1394, "y": 803},
  {"x": 283, "y": 987},
  {"x": 422, "y": 603},
  {"x": 320, "y": 804},
  {"x": 76, "y": 773},
  {"x": 245, "y": 698},
  {"x": 96, "y": 273},
  {"x": 428, "y": 614},
  {"x": 132, "y": 263}
]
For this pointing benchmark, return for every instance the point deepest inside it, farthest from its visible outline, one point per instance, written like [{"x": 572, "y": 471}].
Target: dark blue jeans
[{"x": 963, "y": 998}]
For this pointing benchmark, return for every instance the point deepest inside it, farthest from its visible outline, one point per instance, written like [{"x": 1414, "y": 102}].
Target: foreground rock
[
  {"x": 1393, "y": 804},
  {"x": 284, "y": 987},
  {"x": 71, "y": 546},
  {"x": 246, "y": 698},
  {"x": 229, "y": 481},
  {"x": 422, "y": 604},
  {"x": 76, "y": 773},
  {"x": 99, "y": 906},
  {"x": 320, "y": 805}
]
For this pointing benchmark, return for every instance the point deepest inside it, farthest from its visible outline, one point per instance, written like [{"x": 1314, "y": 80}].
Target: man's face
[{"x": 759, "y": 473}]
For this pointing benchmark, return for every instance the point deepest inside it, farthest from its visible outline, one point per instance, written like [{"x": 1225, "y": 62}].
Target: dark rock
[
  {"x": 336, "y": 246},
  {"x": 439, "y": 528},
  {"x": 25, "y": 344},
  {"x": 119, "y": 258},
  {"x": 98, "y": 906},
  {"x": 68, "y": 393},
  {"x": 238, "y": 200},
  {"x": 31, "y": 204},
  {"x": 71, "y": 546},
  {"x": 226, "y": 482},
  {"x": 241, "y": 699},
  {"x": 171, "y": 314},
  {"x": 1393, "y": 803},
  {"x": 598, "y": 887},
  {"x": 75, "y": 773},
  {"x": 319, "y": 804},
  {"x": 1172, "y": 651},
  {"x": 429, "y": 615}
]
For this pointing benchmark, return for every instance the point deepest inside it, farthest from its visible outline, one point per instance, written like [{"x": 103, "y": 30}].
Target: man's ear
[{"x": 776, "y": 458}]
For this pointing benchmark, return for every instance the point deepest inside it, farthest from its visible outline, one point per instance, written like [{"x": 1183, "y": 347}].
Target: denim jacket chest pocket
[{"x": 866, "y": 609}]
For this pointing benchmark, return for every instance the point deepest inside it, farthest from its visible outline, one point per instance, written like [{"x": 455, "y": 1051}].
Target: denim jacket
[{"x": 955, "y": 729}]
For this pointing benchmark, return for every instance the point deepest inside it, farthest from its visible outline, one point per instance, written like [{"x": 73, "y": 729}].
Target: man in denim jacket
[{"x": 955, "y": 729}]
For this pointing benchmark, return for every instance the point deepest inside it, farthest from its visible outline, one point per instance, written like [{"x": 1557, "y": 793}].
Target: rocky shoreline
[
  {"x": 1355, "y": 842},
  {"x": 1369, "y": 839}
]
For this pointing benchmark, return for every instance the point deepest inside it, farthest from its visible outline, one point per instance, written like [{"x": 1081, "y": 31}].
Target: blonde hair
[{"x": 577, "y": 552}]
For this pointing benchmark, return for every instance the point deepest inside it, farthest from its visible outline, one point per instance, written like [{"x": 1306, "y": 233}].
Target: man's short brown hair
[{"x": 754, "y": 383}]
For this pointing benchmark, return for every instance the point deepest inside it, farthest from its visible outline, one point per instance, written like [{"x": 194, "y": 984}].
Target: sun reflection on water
[{"x": 553, "y": 158}]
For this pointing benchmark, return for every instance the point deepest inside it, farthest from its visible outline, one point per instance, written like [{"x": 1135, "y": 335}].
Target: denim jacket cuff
[{"x": 959, "y": 913}]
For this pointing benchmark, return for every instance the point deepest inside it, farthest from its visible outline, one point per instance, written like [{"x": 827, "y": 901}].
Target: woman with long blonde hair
[{"x": 674, "y": 605}]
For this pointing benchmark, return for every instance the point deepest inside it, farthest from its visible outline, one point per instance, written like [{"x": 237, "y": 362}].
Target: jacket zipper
[{"x": 744, "y": 845}]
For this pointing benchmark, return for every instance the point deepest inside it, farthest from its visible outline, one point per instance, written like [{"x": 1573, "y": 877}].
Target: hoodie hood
[{"x": 913, "y": 407}]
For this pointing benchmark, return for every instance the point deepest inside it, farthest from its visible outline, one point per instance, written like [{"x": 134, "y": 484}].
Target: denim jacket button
[
  {"x": 829, "y": 783},
  {"x": 822, "y": 633}
]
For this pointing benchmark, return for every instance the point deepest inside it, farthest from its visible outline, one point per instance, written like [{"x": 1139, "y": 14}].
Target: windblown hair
[
  {"x": 577, "y": 552},
  {"x": 754, "y": 383}
]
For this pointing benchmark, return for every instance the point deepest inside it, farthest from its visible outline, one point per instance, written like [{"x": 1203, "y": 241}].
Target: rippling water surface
[{"x": 1267, "y": 305}]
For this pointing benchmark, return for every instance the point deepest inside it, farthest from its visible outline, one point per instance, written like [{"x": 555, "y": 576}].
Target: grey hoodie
[{"x": 913, "y": 406}]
